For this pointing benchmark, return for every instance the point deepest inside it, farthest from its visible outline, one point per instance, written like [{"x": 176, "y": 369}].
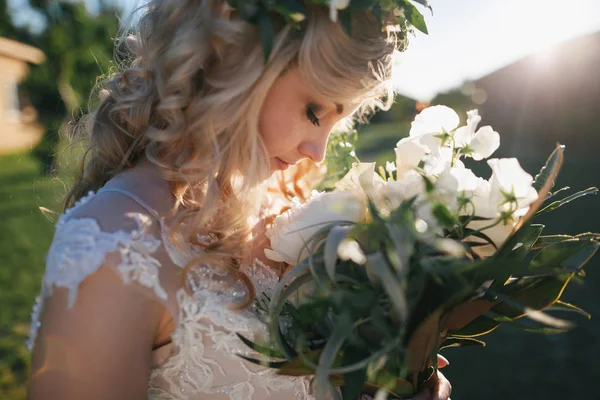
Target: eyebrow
[{"x": 339, "y": 108}]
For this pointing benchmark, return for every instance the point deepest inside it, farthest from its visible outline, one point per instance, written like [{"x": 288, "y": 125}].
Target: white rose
[{"x": 292, "y": 229}]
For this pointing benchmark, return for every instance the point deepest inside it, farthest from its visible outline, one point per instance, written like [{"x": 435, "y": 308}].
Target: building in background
[{"x": 19, "y": 128}]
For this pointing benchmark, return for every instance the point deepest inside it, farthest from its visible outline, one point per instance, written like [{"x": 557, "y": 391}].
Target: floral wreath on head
[{"x": 259, "y": 12}]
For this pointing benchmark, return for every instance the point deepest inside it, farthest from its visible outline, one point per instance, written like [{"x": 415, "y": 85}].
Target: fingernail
[{"x": 444, "y": 359}]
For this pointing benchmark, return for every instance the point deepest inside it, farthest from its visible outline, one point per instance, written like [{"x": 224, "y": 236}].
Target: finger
[
  {"x": 442, "y": 361},
  {"x": 442, "y": 389}
]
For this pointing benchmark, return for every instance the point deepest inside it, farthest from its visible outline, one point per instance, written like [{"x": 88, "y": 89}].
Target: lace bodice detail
[{"x": 202, "y": 361}]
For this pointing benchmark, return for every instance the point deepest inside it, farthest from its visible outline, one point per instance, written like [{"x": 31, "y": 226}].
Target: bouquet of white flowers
[{"x": 399, "y": 262}]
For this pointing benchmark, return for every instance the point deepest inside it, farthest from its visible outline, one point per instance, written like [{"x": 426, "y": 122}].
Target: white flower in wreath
[{"x": 334, "y": 6}]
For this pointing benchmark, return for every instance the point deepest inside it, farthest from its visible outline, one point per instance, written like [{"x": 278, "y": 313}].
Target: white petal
[
  {"x": 350, "y": 250},
  {"x": 485, "y": 142},
  {"x": 409, "y": 154},
  {"x": 434, "y": 119}
]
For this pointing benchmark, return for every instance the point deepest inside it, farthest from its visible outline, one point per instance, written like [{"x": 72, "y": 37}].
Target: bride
[{"x": 158, "y": 256}]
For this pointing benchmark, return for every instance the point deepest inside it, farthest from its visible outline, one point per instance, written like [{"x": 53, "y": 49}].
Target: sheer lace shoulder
[
  {"x": 83, "y": 238},
  {"x": 204, "y": 358}
]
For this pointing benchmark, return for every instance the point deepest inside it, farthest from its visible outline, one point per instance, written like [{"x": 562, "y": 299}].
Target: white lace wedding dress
[{"x": 201, "y": 361}]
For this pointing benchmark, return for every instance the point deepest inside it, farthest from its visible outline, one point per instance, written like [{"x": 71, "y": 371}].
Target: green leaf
[
  {"x": 526, "y": 237},
  {"x": 267, "y": 33},
  {"x": 415, "y": 17},
  {"x": 562, "y": 306},
  {"x": 301, "y": 365},
  {"x": 544, "y": 181},
  {"x": 423, "y": 341},
  {"x": 424, "y": 3},
  {"x": 454, "y": 341},
  {"x": 478, "y": 327},
  {"x": 267, "y": 351},
  {"x": 355, "y": 380},
  {"x": 559, "y": 203},
  {"x": 531, "y": 313},
  {"x": 390, "y": 283},
  {"x": 264, "y": 363},
  {"x": 340, "y": 333},
  {"x": 547, "y": 173},
  {"x": 569, "y": 253},
  {"x": 547, "y": 240},
  {"x": 277, "y": 304}
]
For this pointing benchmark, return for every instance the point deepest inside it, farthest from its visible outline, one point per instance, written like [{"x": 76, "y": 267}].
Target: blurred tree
[{"x": 78, "y": 47}]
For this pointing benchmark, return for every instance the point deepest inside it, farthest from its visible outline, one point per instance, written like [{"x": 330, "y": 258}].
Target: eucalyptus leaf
[
  {"x": 390, "y": 283},
  {"x": 559, "y": 203},
  {"x": 480, "y": 326},
  {"x": 562, "y": 306},
  {"x": 574, "y": 253},
  {"x": 454, "y": 341},
  {"x": 343, "y": 329}
]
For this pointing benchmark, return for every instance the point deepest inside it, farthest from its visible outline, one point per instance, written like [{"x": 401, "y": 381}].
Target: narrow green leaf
[
  {"x": 478, "y": 327},
  {"x": 455, "y": 341},
  {"x": 392, "y": 286},
  {"x": 547, "y": 171},
  {"x": 547, "y": 240},
  {"x": 535, "y": 315},
  {"x": 268, "y": 364},
  {"x": 573, "y": 253},
  {"x": 341, "y": 332},
  {"x": 562, "y": 306},
  {"x": 267, "y": 351},
  {"x": 559, "y": 203},
  {"x": 355, "y": 380}
]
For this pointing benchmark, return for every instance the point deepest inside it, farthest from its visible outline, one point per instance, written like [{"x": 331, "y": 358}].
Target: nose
[{"x": 316, "y": 147}]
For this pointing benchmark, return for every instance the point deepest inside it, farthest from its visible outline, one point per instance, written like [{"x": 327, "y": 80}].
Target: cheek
[{"x": 280, "y": 129}]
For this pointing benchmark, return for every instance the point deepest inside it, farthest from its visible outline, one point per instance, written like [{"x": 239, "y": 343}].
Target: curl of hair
[{"x": 188, "y": 96}]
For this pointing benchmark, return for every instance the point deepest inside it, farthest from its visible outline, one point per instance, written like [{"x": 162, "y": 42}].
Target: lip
[{"x": 281, "y": 165}]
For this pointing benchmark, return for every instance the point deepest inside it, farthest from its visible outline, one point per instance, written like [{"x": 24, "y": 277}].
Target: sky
[{"x": 469, "y": 39}]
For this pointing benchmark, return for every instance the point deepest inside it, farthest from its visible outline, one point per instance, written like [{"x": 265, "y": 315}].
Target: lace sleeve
[{"x": 80, "y": 247}]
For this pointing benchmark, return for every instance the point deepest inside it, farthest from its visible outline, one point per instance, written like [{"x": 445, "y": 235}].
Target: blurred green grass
[{"x": 25, "y": 235}]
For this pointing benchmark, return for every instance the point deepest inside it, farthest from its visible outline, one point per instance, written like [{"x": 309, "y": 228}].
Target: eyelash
[{"x": 312, "y": 117}]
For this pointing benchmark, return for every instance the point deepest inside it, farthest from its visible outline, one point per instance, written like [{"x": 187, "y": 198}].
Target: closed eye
[{"x": 312, "y": 117}]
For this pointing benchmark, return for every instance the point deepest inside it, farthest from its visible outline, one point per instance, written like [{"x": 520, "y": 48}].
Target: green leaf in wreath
[
  {"x": 266, "y": 32},
  {"x": 414, "y": 16}
]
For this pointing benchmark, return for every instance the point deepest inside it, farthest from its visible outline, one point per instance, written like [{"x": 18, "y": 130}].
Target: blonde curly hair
[{"x": 188, "y": 95}]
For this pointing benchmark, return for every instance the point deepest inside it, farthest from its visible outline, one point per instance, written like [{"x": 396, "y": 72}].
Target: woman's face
[{"x": 295, "y": 124}]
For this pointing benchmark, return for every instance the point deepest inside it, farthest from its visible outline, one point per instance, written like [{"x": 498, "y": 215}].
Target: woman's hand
[{"x": 438, "y": 387}]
